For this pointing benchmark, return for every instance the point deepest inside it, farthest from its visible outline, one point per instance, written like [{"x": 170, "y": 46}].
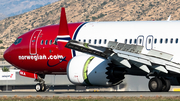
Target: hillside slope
[
  {"x": 88, "y": 10},
  {"x": 16, "y": 7}
]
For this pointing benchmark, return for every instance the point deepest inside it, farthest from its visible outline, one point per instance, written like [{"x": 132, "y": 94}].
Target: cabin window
[
  {"x": 33, "y": 40},
  {"x": 171, "y": 40},
  {"x": 84, "y": 40},
  {"x": 176, "y": 40},
  {"x": 50, "y": 42},
  {"x": 166, "y": 41},
  {"x": 46, "y": 42},
  {"x": 155, "y": 41},
  {"x": 125, "y": 41},
  {"x": 115, "y": 40},
  {"x": 130, "y": 41},
  {"x": 18, "y": 40},
  {"x": 42, "y": 42},
  {"x": 135, "y": 41},
  {"x": 79, "y": 40},
  {"x": 100, "y": 41},
  {"x": 105, "y": 41},
  {"x": 95, "y": 41},
  {"x": 149, "y": 41},
  {"x": 89, "y": 40},
  {"x": 161, "y": 41},
  {"x": 140, "y": 41}
]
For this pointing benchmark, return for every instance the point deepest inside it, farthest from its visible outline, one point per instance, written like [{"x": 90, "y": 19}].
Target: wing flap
[
  {"x": 125, "y": 47},
  {"x": 160, "y": 68},
  {"x": 160, "y": 54},
  {"x": 173, "y": 69}
]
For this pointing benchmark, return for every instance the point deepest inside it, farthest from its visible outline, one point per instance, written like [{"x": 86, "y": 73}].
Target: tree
[
  {"x": 2, "y": 47},
  {"x": 5, "y": 69}
]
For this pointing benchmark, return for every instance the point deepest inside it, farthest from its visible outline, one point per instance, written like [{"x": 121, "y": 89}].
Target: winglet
[{"x": 63, "y": 34}]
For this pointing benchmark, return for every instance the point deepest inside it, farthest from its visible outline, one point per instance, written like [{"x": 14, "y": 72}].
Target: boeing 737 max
[{"x": 108, "y": 51}]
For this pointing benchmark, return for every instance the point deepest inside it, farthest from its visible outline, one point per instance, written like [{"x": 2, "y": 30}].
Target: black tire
[
  {"x": 178, "y": 79},
  {"x": 44, "y": 88},
  {"x": 155, "y": 85},
  {"x": 166, "y": 85},
  {"x": 38, "y": 87}
]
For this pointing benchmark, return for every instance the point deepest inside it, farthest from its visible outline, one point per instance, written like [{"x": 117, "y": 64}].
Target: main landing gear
[
  {"x": 41, "y": 86},
  {"x": 159, "y": 84}
]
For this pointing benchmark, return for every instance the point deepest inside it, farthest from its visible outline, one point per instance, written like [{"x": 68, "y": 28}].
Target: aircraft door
[
  {"x": 33, "y": 42},
  {"x": 149, "y": 42},
  {"x": 140, "y": 40}
]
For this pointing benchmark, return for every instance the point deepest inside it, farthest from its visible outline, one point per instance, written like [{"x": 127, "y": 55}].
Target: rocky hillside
[
  {"x": 16, "y": 7},
  {"x": 88, "y": 10}
]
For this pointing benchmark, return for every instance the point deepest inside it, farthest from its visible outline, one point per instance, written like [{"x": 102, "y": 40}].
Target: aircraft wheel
[
  {"x": 38, "y": 87},
  {"x": 155, "y": 85},
  {"x": 44, "y": 88},
  {"x": 166, "y": 85}
]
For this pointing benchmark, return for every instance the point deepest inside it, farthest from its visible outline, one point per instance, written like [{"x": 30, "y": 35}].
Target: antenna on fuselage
[
  {"x": 169, "y": 18},
  {"x": 63, "y": 33}
]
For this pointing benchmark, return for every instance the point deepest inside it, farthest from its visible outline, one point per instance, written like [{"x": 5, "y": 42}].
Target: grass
[{"x": 68, "y": 98}]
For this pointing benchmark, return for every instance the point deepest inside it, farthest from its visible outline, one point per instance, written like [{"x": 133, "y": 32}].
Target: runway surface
[{"x": 92, "y": 94}]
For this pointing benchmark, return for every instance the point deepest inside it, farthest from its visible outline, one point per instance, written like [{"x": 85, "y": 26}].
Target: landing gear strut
[
  {"x": 41, "y": 86},
  {"x": 159, "y": 84}
]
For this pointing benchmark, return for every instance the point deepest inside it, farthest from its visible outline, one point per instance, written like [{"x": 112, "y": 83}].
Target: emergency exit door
[
  {"x": 33, "y": 42},
  {"x": 149, "y": 42}
]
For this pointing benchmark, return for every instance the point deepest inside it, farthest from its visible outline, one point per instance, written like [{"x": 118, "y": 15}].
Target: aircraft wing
[{"x": 125, "y": 55}]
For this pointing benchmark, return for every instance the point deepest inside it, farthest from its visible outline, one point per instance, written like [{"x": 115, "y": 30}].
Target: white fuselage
[{"x": 159, "y": 35}]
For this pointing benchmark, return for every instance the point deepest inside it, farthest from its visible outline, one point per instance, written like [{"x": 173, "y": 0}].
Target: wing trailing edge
[{"x": 125, "y": 58}]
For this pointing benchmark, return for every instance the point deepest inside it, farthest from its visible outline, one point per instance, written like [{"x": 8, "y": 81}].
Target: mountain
[
  {"x": 2, "y": 16},
  {"x": 88, "y": 10},
  {"x": 16, "y": 7}
]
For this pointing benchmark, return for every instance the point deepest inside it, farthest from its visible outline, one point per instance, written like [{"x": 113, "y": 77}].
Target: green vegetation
[
  {"x": 87, "y": 20},
  {"x": 94, "y": 18},
  {"x": 99, "y": 16},
  {"x": 1, "y": 41},
  {"x": 25, "y": 28},
  {"x": 48, "y": 21},
  {"x": 104, "y": 3},
  {"x": 2, "y": 47},
  {"x": 32, "y": 24},
  {"x": 46, "y": 14},
  {"x": 39, "y": 98},
  {"x": 85, "y": 10},
  {"x": 51, "y": 12},
  {"x": 151, "y": 5},
  {"x": 5, "y": 69}
]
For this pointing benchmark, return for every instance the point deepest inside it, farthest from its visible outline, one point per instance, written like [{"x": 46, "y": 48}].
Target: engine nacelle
[{"x": 90, "y": 70}]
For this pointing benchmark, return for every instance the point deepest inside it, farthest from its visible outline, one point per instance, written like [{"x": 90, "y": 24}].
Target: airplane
[{"x": 100, "y": 53}]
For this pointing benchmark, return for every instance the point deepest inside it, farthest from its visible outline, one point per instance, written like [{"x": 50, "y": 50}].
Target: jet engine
[{"x": 93, "y": 71}]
